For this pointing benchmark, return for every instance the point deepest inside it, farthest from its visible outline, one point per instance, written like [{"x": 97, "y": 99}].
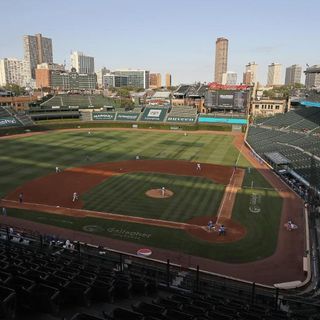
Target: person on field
[
  {"x": 57, "y": 169},
  {"x": 163, "y": 191},
  {"x": 20, "y": 197},
  {"x": 137, "y": 157},
  {"x": 210, "y": 225},
  {"x": 75, "y": 197},
  {"x": 198, "y": 166},
  {"x": 222, "y": 230}
]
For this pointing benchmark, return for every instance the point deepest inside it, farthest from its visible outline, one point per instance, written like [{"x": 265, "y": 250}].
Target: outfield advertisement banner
[
  {"x": 103, "y": 115},
  {"x": 204, "y": 119},
  {"x": 181, "y": 119},
  {"x": 154, "y": 114},
  {"x": 127, "y": 116},
  {"x": 9, "y": 122}
]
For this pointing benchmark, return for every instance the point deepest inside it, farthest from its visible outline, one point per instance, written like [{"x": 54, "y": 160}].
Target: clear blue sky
[{"x": 176, "y": 36}]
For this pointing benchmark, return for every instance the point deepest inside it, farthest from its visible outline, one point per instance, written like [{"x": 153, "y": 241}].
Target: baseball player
[
  {"x": 75, "y": 197},
  {"x": 198, "y": 166}
]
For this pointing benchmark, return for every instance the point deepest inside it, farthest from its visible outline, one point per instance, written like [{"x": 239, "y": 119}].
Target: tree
[
  {"x": 283, "y": 92},
  {"x": 17, "y": 90}
]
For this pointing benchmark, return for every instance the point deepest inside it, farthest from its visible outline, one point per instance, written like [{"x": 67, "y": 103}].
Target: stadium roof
[
  {"x": 277, "y": 158},
  {"x": 161, "y": 95},
  {"x": 193, "y": 90}
]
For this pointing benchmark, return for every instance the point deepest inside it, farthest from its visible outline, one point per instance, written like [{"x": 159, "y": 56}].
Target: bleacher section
[
  {"x": 45, "y": 275},
  {"x": 182, "y": 114},
  {"x": 24, "y": 119},
  {"x": 302, "y": 119},
  {"x": 297, "y": 147},
  {"x": 11, "y": 118}
]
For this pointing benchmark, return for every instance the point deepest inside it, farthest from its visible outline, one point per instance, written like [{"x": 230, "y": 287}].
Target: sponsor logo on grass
[
  {"x": 93, "y": 228},
  {"x": 125, "y": 234}
]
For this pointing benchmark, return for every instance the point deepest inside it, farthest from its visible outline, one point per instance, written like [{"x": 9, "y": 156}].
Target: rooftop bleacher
[{"x": 78, "y": 100}]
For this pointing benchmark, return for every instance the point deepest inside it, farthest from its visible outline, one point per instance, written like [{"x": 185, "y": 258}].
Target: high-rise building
[
  {"x": 100, "y": 73},
  {"x": 221, "y": 60},
  {"x": 111, "y": 80},
  {"x": 168, "y": 80},
  {"x": 155, "y": 80},
  {"x": 229, "y": 78},
  {"x": 274, "y": 74},
  {"x": 82, "y": 63},
  {"x": 37, "y": 49},
  {"x": 11, "y": 71},
  {"x": 43, "y": 74},
  {"x": 250, "y": 75},
  {"x": 312, "y": 77},
  {"x": 136, "y": 78},
  {"x": 293, "y": 74}
]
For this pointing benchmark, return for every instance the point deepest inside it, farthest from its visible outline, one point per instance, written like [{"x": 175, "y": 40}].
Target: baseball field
[{"x": 161, "y": 199}]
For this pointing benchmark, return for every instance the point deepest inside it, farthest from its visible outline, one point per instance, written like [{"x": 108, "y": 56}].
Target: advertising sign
[{"x": 103, "y": 115}]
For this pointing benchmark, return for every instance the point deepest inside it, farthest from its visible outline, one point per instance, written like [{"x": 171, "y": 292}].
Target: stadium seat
[
  {"x": 103, "y": 291},
  {"x": 46, "y": 298},
  {"x": 84, "y": 316},
  {"x": 149, "y": 309},
  {"x": 7, "y": 303},
  {"x": 125, "y": 314}
]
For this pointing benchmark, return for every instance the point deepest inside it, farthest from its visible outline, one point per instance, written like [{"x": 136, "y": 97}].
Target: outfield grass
[
  {"x": 25, "y": 158},
  {"x": 125, "y": 194}
]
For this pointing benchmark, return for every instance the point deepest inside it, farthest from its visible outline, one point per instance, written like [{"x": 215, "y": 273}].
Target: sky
[{"x": 176, "y": 36}]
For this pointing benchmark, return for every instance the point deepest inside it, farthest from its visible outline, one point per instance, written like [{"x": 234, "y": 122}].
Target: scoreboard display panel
[{"x": 226, "y": 99}]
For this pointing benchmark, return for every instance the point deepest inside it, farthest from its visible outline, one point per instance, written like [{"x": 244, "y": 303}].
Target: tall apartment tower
[
  {"x": 221, "y": 60},
  {"x": 11, "y": 71},
  {"x": 155, "y": 80},
  {"x": 37, "y": 49},
  {"x": 82, "y": 63},
  {"x": 293, "y": 74},
  {"x": 168, "y": 80},
  {"x": 229, "y": 78},
  {"x": 250, "y": 75},
  {"x": 274, "y": 74},
  {"x": 312, "y": 76}
]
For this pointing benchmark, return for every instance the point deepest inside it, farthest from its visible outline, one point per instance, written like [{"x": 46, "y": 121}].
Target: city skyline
[{"x": 162, "y": 41}]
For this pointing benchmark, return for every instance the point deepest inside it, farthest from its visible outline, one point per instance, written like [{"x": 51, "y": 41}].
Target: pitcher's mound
[{"x": 158, "y": 193}]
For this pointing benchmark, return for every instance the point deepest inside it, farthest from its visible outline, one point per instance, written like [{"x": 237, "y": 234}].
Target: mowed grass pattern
[
  {"x": 125, "y": 194},
  {"x": 25, "y": 158}
]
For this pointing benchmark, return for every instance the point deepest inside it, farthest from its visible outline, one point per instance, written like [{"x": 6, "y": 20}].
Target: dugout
[{"x": 277, "y": 160}]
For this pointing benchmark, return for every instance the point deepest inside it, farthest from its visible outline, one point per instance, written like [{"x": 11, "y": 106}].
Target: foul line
[{"x": 104, "y": 215}]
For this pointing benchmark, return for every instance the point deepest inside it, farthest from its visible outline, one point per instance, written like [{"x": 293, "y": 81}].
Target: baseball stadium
[{"x": 159, "y": 212}]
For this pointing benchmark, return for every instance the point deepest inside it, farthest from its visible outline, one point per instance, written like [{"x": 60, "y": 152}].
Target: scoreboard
[{"x": 226, "y": 99}]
